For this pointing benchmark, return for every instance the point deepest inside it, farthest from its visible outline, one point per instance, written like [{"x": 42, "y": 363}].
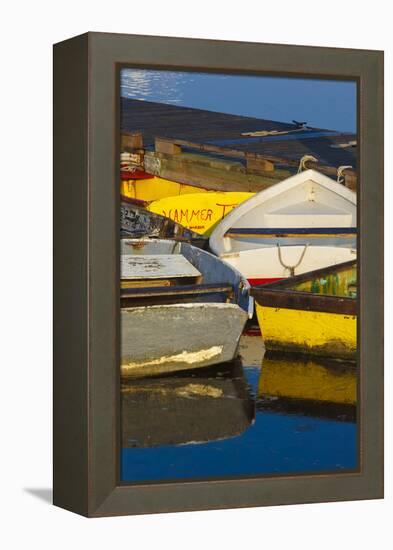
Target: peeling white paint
[
  {"x": 187, "y": 305},
  {"x": 189, "y": 357}
]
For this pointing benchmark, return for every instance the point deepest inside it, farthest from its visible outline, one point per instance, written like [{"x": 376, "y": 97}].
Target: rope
[
  {"x": 291, "y": 268},
  {"x": 341, "y": 175},
  {"x": 303, "y": 160}
]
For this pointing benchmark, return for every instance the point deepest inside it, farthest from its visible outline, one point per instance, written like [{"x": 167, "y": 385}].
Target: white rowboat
[{"x": 303, "y": 223}]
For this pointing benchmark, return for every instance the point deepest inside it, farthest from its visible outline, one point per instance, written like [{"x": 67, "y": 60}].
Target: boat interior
[
  {"x": 308, "y": 211},
  {"x": 166, "y": 271}
]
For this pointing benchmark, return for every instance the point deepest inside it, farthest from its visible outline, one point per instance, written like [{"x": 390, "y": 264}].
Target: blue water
[
  {"x": 276, "y": 443},
  {"x": 321, "y": 103}
]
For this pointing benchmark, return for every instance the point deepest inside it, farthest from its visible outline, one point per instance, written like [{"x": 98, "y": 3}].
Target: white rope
[
  {"x": 291, "y": 268},
  {"x": 304, "y": 160},
  {"x": 340, "y": 173}
]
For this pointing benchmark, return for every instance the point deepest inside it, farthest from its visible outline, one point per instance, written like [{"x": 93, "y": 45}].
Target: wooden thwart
[{"x": 295, "y": 232}]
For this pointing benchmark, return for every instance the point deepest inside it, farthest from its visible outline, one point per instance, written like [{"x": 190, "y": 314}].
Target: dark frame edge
[{"x": 70, "y": 268}]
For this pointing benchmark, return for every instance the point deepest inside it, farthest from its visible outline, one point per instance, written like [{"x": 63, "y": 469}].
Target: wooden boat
[
  {"x": 199, "y": 212},
  {"x": 313, "y": 387},
  {"x": 189, "y": 407},
  {"x": 198, "y": 208},
  {"x": 314, "y": 313},
  {"x": 137, "y": 222},
  {"x": 181, "y": 307},
  {"x": 303, "y": 223}
]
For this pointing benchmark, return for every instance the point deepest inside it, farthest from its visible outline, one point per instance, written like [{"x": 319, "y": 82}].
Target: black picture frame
[{"x": 86, "y": 272}]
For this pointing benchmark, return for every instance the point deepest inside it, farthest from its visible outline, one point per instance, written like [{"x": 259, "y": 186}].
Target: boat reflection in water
[
  {"x": 191, "y": 407},
  {"x": 250, "y": 417},
  {"x": 320, "y": 389}
]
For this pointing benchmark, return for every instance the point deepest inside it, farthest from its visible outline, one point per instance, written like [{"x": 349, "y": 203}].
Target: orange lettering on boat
[{"x": 224, "y": 208}]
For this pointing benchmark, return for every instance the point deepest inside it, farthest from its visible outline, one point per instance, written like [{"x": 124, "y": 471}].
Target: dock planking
[{"x": 254, "y": 149}]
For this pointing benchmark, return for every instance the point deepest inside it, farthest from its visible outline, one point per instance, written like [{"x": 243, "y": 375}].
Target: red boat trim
[
  {"x": 263, "y": 280},
  {"x": 137, "y": 175}
]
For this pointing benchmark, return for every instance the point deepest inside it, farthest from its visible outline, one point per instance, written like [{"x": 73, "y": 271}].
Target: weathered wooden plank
[
  {"x": 191, "y": 290},
  {"x": 131, "y": 141},
  {"x": 207, "y": 173},
  {"x": 237, "y": 153},
  {"x": 267, "y": 232},
  {"x": 156, "y": 266},
  {"x": 259, "y": 165},
  {"x": 167, "y": 146}
]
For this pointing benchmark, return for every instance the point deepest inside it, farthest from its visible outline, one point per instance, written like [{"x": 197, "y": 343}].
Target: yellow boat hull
[
  {"x": 311, "y": 332},
  {"x": 199, "y": 212},
  {"x": 154, "y": 189}
]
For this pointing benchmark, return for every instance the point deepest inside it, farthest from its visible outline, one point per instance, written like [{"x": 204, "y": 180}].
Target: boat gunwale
[
  {"x": 305, "y": 301},
  {"x": 177, "y": 290},
  {"x": 279, "y": 294},
  {"x": 292, "y": 232}
]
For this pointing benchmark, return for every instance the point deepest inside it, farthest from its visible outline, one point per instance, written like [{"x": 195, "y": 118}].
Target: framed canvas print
[{"x": 218, "y": 260}]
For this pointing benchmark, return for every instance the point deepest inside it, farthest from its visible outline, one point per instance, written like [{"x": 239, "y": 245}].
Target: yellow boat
[
  {"x": 313, "y": 313},
  {"x": 199, "y": 212}
]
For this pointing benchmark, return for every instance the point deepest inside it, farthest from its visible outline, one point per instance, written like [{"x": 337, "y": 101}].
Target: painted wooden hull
[
  {"x": 310, "y": 314},
  {"x": 199, "y": 212},
  {"x": 137, "y": 222},
  {"x": 191, "y": 407},
  {"x": 263, "y": 265},
  {"x": 306, "y": 209},
  {"x": 310, "y": 332},
  {"x": 314, "y": 387},
  {"x": 168, "y": 338}
]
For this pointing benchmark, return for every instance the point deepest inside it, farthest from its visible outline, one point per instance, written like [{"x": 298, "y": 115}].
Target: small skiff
[
  {"x": 187, "y": 407},
  {"x": 313, "y": 314},
  {"x": 181, "y": 307},
  {"x": 303, "y": 223}
]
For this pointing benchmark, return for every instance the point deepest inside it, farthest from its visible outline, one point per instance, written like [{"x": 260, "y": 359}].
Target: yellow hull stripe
[{"x": 319, "y": 333}]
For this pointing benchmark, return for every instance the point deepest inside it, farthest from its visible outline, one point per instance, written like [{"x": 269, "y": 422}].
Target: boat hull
[
  {"x": 263, "y": 265},
  {"x": 137, "y": 222},
  {"x": 199, "y": 212},
  {"x": 154, "y": 188},
  {"x": 316, "y": 333},
  {"x": 175, "y": 337}
]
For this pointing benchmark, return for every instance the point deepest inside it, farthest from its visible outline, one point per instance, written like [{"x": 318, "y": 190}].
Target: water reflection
[
  {"x": 250, "y": 417},
  {"x": 190, "y": 407},
  {"x": 320, "y": 389}
]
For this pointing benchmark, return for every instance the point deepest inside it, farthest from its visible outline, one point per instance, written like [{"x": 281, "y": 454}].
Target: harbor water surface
[{"x": 256, "y": 416}]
